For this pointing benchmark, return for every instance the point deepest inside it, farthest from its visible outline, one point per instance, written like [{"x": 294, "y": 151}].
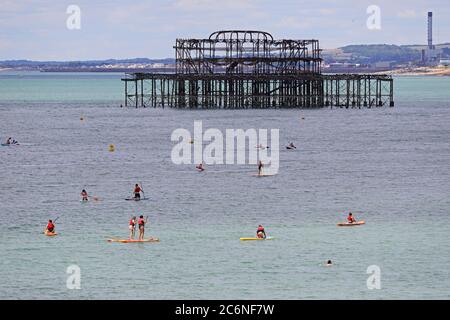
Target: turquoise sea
[{"x": 389, "y": 166}]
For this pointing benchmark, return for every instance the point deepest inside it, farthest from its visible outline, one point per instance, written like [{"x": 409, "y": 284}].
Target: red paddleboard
[{"x": 348, "y": 224}]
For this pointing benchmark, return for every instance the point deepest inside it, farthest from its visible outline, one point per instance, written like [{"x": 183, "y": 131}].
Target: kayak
[
  {"x": 348, "y": 224},
  {"x": 50, "y": 234},
  {"x": 134, "y": 199},
  {"x": 133, "y": 241},
  {"x": 251, "y": 239}
]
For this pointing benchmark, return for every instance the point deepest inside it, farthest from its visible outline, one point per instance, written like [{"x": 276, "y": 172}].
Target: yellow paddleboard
[{"x": 251, "y": 239}]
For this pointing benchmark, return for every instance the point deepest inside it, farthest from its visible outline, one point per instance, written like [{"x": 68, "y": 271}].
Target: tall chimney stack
[{"x": 430, "y": 30}]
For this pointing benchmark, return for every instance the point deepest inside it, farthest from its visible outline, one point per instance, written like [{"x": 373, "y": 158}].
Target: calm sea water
[{"x": 390, "y": 166}]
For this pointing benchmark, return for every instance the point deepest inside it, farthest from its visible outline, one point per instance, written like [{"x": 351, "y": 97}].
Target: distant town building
[
  {"x": 444, "y": 62},
  {"x": 382, "y": 64}
]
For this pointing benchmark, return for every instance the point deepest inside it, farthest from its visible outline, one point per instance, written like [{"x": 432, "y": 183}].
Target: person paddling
[
  {"x": 350, "y": 218},
  {"x": 132, "y": 228},
  {"x": 84, "y": 195},
  {"x": 137, "y": 192},
  {"x": 260, "y": 232},
  {"x": 50, "y": 227},
  {"x": 200, "y": 167},
  {"x": 292, "y": 146},
  {"x": 260, "y": 167},
  {"x": 141, "y": 223}
]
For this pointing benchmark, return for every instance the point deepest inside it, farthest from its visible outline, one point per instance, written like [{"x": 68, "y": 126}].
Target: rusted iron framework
[{"x": 249, "y": 69}]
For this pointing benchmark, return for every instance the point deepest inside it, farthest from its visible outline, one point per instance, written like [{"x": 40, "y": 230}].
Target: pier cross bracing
[{"x": 250, "y": 69}]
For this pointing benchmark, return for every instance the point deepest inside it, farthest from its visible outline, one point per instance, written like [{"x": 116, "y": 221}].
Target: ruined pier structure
[{"x": 249, "y": 69}]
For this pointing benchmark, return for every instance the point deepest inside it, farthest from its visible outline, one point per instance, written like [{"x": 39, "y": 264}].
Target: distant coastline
[
  {"x": 421, "y": 71},
  {"x": 414, "y": 71},
  {"x": 368, "y": 59}
]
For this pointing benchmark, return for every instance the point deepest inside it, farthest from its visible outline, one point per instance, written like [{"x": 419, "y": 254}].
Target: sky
[{"x": 37, "y": 29}]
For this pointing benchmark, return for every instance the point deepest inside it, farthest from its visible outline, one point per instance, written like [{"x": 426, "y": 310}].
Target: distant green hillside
[
  {"x": 381, "y": 52},
  {"x": 420, "y": 47}
]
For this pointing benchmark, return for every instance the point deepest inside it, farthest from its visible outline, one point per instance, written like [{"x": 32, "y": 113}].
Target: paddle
[{"x": 142, "y": 189}]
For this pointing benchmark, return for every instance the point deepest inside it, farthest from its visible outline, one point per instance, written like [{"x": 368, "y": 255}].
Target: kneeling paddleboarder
[
  {"x": 50, "y": 227},
  {"x": 350, "y": 218},
  {"x": 260, "y": 232}
]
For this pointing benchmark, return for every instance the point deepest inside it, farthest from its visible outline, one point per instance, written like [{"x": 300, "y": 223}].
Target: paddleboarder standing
[
  {"x": 260, "y": 167},
  {"x": 141, "y": 224},
  {"x": 137, "y": 192},
  {"x": 132, "y": 228}
]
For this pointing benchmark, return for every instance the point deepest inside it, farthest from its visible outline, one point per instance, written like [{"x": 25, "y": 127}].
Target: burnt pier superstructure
[{"x": 250, "y": 69}]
